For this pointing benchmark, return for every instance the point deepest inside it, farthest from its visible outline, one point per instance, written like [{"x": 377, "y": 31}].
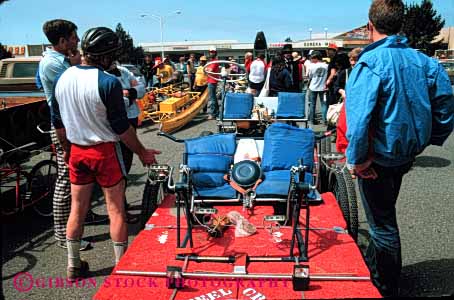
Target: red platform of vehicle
[{"x": 330, "y": 253}]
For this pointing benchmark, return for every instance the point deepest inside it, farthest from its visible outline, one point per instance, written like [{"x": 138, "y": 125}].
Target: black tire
[
  {"x": 353, "y": 202},
  {"x": 339, "y": 189},
  {"x": 324, "y": 178},
  {"x": 42, "y": 185},
  {"x": 149, "y": 201}
]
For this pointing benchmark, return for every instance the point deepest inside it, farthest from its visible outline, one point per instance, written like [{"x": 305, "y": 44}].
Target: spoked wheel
[
  {"x": 152, "y": 196},
  {"x": 42, "y": 186},
  {"x": 339, "y": 189},
  {"x": 353, "y": 202},
  {"x": 325, "y": 146}
]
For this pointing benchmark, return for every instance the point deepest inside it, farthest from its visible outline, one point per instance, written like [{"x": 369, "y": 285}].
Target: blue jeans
[
  {"x": 313, "y": 102},
  {"x": 213, "y": 106},
  {"x": 304, "y": 91},
  {"x": 383, "y": 255}
]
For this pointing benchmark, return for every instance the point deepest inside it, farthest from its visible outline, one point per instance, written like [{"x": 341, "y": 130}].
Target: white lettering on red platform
[
  {"x": 253, "y": 294},
  {"x": 217, "y": 294},
  {"x": 162, "y": 238}
]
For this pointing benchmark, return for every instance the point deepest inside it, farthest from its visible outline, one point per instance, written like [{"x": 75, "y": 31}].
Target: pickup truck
[
  {"x": 22, "y": 105},
  {"x": 18, "y": 74}
]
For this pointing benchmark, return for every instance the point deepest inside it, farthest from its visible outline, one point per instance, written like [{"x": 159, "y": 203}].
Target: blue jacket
[{"x": 404, "y": 97}]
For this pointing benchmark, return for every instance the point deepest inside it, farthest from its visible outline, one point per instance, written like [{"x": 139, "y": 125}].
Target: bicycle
[{"x": 29, "y": 188}]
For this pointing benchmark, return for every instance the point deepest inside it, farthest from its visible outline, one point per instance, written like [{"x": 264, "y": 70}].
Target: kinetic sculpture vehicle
[
  {"x": 172, "y": 106},
  {"x": 215, "y": 172},
  {"x": 263, "y": 175}
]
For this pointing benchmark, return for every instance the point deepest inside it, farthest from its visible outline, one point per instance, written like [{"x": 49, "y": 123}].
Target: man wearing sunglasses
[{"x": 399, "y": 101}]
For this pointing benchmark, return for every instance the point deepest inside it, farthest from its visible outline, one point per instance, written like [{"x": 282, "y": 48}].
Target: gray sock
[
  {"x": 119, "y": 250},
  {"x": 73, "y": 253}
]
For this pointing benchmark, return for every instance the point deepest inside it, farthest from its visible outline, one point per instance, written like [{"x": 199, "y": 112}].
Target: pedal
[
  {"x": 205, "y": 211},
  {"x": 300, "y": 278},
  {"x": 275, "y": 218},
  {"x": 174, "y": 277}
]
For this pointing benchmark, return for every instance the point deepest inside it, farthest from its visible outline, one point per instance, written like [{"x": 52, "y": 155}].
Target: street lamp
[
  {"x": 326, "y": 33},
  {"x": 310, "y": 33},
  {"x": 161, "y": 20}
]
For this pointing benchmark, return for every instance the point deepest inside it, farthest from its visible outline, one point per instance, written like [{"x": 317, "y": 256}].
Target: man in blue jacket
[{"x": 399, "y": 101}]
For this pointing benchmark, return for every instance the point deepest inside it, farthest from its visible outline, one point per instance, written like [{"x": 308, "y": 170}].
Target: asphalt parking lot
[{"x": 425, "y": 208}]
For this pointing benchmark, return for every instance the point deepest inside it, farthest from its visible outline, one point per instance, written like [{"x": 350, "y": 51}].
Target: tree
[
  {"x": 129, "y": 53},
  {"x": 4, "y": 53},
  {"x": 288, "y": 39},
  {"x": 421, "y": 25}
]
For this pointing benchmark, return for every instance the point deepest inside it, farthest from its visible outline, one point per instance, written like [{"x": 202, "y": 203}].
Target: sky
[{"x": 21, "y": 20}]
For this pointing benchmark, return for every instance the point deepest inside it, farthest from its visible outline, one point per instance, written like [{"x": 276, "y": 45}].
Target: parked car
[
  {"x": 18, "y": 74},
  {"x": 449, "y": 67},
  {"x": 134, "y": 70}
]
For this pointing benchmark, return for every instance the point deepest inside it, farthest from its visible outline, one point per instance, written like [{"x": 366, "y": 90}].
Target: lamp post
[
  {"x": 326, "y": 33},
  {"x": 310, "y": 33},
  {"x": 161, "y": 20}
]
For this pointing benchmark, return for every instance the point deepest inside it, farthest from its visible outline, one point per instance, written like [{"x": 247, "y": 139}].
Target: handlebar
[
  {"x": 170, "y": 137},
  {"x": 42, "y": 130}
]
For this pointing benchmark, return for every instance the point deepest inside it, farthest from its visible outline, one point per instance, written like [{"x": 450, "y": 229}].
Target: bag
[
  {"x": 332, "y": 116},
  {"x": 333, "y": 113},
  {"x": 266, "y": 87}
]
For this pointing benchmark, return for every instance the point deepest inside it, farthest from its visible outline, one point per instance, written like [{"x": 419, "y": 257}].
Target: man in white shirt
[{"x": 317, "y": 73}]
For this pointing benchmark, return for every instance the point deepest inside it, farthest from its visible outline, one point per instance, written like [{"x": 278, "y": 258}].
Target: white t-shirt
[
  {"x": 318, "y": 72},
  {"x": 307, "y": 64},
  {"x": 125, "y": 80},
  {"x": 257, "y": 72}
]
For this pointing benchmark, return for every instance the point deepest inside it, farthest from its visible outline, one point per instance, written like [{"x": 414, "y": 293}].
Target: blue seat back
[
  {"x": 210, "y": 157},
  {"x": 238, "y": 106},
  {"x": 285, "y": 145},
  {"x": 290, "y": 105}
]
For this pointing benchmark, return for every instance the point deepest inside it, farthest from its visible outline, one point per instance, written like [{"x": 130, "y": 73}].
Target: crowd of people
[{"x": 393, "y": 109}]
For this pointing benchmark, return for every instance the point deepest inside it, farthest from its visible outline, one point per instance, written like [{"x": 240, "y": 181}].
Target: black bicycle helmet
[{"x": 100, "y": 41}]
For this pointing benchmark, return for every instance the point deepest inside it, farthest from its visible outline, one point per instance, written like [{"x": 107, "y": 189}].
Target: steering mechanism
[{"x": 223, "y": 75}]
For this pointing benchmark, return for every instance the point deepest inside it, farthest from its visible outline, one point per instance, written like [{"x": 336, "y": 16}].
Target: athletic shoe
[{"x": 73, "y": 273}]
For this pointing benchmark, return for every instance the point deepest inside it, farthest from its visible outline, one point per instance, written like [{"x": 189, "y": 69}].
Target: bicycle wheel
[
  {"x": 42, "y": 185},
  {"x": 339, "y": 188},
  {"x": 325, "y": 145},
  {"x": 352, "y": 200},
  {"x": 151, "y": 197}
]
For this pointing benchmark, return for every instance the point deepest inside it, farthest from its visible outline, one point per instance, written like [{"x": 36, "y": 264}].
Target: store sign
[{"x": 277, "y": 45}]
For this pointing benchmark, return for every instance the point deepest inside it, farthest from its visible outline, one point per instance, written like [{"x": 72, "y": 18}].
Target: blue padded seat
[
  {"x": 209, "y": 158},
  {"x": 275, "y": 183},
  {"x": 290, "y": 105},
  {"x": 284, "y": 146},
  {"x": 238, "y": 106}
]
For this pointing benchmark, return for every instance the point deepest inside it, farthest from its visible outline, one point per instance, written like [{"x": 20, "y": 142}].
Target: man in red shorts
[{"x": 89, "y": 115}]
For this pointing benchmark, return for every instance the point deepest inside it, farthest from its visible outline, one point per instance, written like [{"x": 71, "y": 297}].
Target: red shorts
[{"x": 102, "y": 163}]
